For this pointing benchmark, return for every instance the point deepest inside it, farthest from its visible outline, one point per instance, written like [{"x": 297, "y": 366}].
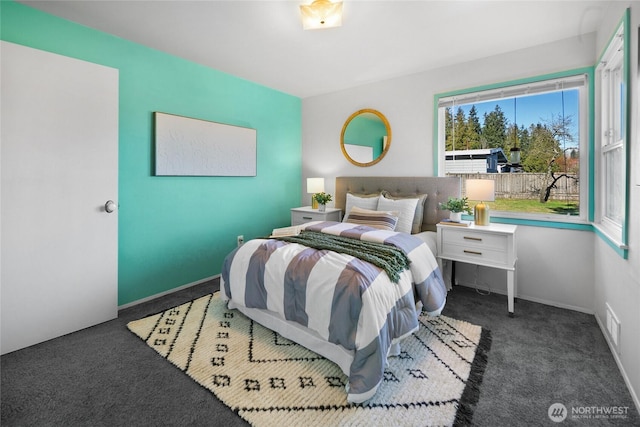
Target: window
[
  {"x": 611, "y": 140},
  {"x": 530, "y": 137}
]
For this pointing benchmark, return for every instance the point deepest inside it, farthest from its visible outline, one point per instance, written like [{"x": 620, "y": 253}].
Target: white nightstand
[
  {"x": 493, "y": 245},
  {"x": 308, "y": 214}
]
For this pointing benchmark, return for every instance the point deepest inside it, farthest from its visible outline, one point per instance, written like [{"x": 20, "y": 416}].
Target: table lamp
[
  {"x": 484, "y": 191},
  {"x": 315, "y": 185}
]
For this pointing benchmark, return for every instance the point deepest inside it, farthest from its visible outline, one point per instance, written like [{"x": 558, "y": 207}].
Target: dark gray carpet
[{"x": 105, "y": 376}]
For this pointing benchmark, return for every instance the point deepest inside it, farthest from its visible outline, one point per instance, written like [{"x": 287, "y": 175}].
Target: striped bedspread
[{"x": 343, "y": 299}]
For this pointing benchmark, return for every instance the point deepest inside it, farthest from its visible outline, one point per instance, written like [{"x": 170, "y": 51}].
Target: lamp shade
[
  {"x": 321, "y": 14},
  {"x": 481, "y": 189},
  {"x": 315, "y": 185}
]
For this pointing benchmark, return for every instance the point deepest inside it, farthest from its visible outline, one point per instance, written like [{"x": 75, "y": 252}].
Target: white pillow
[
  {"x": 406, "y": 207},
  {"x": 382, "y": 220},
  {"x": 365, "y": 202}
]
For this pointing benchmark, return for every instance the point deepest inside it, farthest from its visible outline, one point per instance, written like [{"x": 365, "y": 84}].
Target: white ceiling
[{"x": 263, "y": 41}]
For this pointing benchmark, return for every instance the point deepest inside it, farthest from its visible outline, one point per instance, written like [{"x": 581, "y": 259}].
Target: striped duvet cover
[{"x": 344, "y": 300}]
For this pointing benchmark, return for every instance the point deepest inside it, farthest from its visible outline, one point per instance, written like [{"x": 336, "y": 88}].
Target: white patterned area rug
[{"x": 270, "y": 381}]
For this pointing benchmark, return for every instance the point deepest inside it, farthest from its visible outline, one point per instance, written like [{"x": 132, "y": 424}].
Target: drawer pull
[
  {"x": 472, "y": 252},
  {"x": 307, "y": 217},
  {"x": 478, "y": 239}
]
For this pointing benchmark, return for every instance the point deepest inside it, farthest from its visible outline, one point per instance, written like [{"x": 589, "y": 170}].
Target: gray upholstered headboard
[{"x": 438, "y": 189}]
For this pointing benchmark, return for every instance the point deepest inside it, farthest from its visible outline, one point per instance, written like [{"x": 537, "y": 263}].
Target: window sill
[
  {"x": 539, "y": 220},
  {"x": 572, "y": 223},
  {"x": 613, "y": 241}
]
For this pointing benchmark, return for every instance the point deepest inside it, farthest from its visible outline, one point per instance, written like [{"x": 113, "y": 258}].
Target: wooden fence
[{"x": 527, "y": 185}]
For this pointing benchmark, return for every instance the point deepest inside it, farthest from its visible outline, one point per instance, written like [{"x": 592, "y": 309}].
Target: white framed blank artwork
[{"x": 194, "y": 147}]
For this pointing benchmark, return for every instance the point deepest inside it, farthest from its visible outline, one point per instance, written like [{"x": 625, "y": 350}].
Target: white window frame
[
  {"x": 579, "y": 79},
  {"x": 611, "y": 131}
]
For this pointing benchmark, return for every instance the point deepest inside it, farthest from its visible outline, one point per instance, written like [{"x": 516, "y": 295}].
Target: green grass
[{"x": 534, "y": 206}]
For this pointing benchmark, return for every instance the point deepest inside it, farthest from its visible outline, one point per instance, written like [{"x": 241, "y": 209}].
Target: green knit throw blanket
[{"x": 389, "y": 258}]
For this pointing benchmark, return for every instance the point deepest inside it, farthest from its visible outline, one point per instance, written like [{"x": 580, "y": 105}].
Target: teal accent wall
[{"x": 177, "y": 230}]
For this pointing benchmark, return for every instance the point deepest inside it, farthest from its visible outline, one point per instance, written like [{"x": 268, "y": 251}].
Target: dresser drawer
[
  {"x": 298, "y": 218},
  {"x": 476, "y": 255},
  {"x": 302, "y": 215},
  {"x": 474, "y": 239}
]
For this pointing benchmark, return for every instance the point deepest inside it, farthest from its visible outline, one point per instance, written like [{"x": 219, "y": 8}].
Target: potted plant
[
  {"x": 456, "y": 208},
  {"x": 322, "y": 199}
]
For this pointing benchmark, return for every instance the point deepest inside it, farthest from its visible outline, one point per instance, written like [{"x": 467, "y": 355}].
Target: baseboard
[
  {"x": 557, "y": 304},
  {"x": 634, "y": 395},
  {"x": 527, "y": 298},
  {"x": 170, "y": 291}
]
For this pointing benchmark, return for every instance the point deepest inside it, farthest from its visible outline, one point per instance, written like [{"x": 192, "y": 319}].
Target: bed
[{"x": 351, "y": 290}]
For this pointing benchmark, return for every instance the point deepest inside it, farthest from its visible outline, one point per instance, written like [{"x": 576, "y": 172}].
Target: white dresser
[
  {"x": 493, "y": 245},
  {"x": 308, "y": 214}
]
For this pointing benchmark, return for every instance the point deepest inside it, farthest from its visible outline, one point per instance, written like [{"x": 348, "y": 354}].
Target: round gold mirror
[{"x": 365, "y": 137}]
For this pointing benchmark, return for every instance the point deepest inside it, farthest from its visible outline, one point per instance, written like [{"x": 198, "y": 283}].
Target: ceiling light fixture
[{"x": 321, "y": 14}]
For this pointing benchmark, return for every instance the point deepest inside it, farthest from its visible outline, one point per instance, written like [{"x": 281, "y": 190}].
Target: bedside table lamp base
[{"x": 481, "y": 214}]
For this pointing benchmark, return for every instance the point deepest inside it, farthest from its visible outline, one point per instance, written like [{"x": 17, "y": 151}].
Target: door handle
[{"x": 110, "y": 206}]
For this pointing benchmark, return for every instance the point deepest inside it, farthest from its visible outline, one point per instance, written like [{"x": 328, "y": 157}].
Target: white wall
[
  {"x": 407, "y": 102},
  {"x": 567, "y": 268},
  {"x": 617, "y": 281},
  {"x": 555, "y": 267},
  {"x": 404, "y": 103}
]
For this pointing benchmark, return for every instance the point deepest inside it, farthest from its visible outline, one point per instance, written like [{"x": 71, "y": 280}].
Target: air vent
[{"x": 613, "y": 328}]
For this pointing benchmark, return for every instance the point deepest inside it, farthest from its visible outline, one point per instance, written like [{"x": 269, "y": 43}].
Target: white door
[{"x": 59, "y": 167}]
